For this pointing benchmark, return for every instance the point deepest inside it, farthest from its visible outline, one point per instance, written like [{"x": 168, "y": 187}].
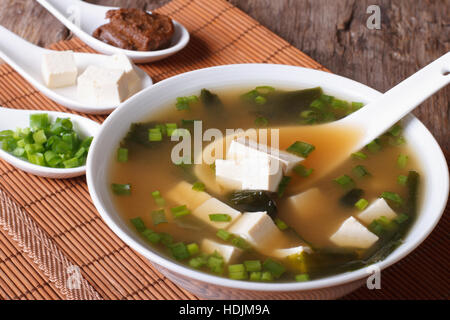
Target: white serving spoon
[
  {"x": 10, "y": 119},
  {"x": 83, "y": 18},
  {"x": 26, "y": 59}
]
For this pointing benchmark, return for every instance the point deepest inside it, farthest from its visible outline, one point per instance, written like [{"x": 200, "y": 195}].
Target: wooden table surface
[{"x": 333, "y": 32}]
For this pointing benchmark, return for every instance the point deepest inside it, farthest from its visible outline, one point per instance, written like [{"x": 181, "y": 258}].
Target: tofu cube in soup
[
  {"x": 229, "y": 174},
  {"x": 353, "y": 234},
  {"x": 183, "y": 194},
  {"x": 377, "y": 209},
  {"x": 59, "y": 69},
  {"x": 213, "y": 206},
  {"x": 283, "y": 253},
  {"x": 228, "y": 253}
]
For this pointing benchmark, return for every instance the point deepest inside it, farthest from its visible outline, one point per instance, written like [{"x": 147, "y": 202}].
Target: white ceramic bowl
[{"x": 435, "y": 182}]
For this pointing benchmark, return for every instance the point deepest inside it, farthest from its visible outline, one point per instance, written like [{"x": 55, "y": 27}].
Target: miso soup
[{"x": 264, "y": 209}]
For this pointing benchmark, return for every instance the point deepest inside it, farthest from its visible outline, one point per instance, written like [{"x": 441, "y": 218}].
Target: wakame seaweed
[
  {"x": 350, "y": 198},
  {"x": 138, "y": 133},
  {"x": 255, "y": 200},
  {"x": 210, "y": 100}
]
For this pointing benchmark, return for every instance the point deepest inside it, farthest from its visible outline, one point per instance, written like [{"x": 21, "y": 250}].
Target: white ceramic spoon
[
  {"x": 10, "y": 119},
  {"x": 83, "y": 18},
  {"x": 26, "y": 59}
]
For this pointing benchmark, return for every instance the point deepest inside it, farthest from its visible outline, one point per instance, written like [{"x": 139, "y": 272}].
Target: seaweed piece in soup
[
  {"x": 210, "y": 100},
  {"x": 255, "y": 200},
  {"x": 139, "y": 134},
  {"x": 350, "y": 198}
]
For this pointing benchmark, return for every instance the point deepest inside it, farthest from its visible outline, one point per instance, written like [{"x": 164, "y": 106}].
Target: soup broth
[{"x": 385, "y": 171}]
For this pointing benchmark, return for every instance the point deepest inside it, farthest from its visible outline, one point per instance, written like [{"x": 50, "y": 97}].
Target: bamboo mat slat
[{"x": 48, "y": 227}]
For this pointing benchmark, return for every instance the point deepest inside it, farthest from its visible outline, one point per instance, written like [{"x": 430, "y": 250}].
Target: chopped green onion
[
  {"x": 151, "y": 236},
  {"x": 71, "y": 163},
  {"x": 318, "y": 104},
  {"x": 360, "y": 171},
  {"x": 179, "y": 251},
  {"x": 402, "y": 161},
  {"x": 154, "y": 134},
  {"x": 357, "y": 105},
  {"x": 261, "y": 122},
  {"x": 283, "y": 185},
  {"x": 122, "y": 155},
  {"x": 302, "y": 171},
  {"x": 240, "y": 243},
  {"x": 223, "y": 234},
  {"x": 326, "y": 98},
  {"x": 215, "y": 263},
  {"x": 52, "y": 158},
  {"x": 281, "y": 224},
  {"x": 374, "y": 146},
  {"x": 193, "y": 249},
  {"x": 361, "y": 204},
  {"x": 199, "y": 186},
  {"x": 395, "y": 197},
  {"x": 198, "y": 262},
  {"x": 162, "y": 128},
  {"x": 401, "y": 218},
  {"x": 121, "y": 189},
  {"x": 302, "y": 277},
  {"x": 236, "y": 268},
  {"x": 220, "y": 217},
  {"x": 345, "y": 181},
  {"x": 170, "y": 127},
  {"x": 339, "y": 104},
  {"x": 301, "y": 148},
  {"x": 264, "y": 89},
  {"x": 266, "y": 276},
  {"x": 183, "y": 103},
  {"x": 166, "y": 239},
  {"x": 252, "y": 265},
  {"x": 138, "y": 223},
  {"x": 180, "y": 211},
  {"x": 39, "y": 121},
  {"x": 396, "y": 130},
  {"x": 274, "y": 267},
  {"x": 239, "y": 275},
  {"x": 158, "y": 198},
  {"x": 255, "y": 276},
  {"x": 39, "y": 137},
  {"x": 158, "y": 217},
  {"x": 401, "y": 180},
  {"x": 359, "y": 155},
  {"x": 260, "y": 100}
]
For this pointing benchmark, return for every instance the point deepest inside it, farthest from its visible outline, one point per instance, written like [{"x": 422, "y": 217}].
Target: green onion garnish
[
  {"x": 151, "y": 236},
  {"x": 361, "y": 204},
  {"x": 359, "y": 155},
  {"x": 220, "y": 217},
  {"x": 281, "y": 224},
  {"x": 170, "y": 128},
  {"x": 158, "y": 216},
  {"x": 326, "y": 98},
  {"x": 266, "y": 276},
  {"x": 193, "y": 249},
  {"x": 180, "y": 211},
  {"x": 264, "y": 89},
  {"x": 345, "y": 181},
  {"x": 301, "y": 148},
  {"x": 138, "y": 223},
  {"x": 121, "y": 189},
  {"x": 159, "y": 200},
  {"x": 339, "y": 104},
  {"x": 255, "y": 276},
  {"x": 318, "y": 104},
  {"x": 122, "y": 155},
  {"x": 215, "y": 263},
  {"x": 302, "y": 171},
  {"x": 360, "y": 171},
  {"x": 179, "y": 251},
  {"x": 198, "y": 186},
  {"x": 223, "y": 234},
  {"x": 183, "y": 103},
  {"x": 252, "y": 265},
  {"x": 237, "y": 272},
  {"x": 260, "y": 100},
  {"x": 302, "y": 277},
  {"x": 395, "y": 197},
  {"x": 240, "y": 243},
  {"x": 283, "y": 185},
  {"x": 401, "y": 218},
  {"x": 402, "y": 161},
  {"x": 356, "y": 106},
  {"x": 261, "y": 122},
  {"x": 154, "y": 134},
  {"x": 401, "y": 180},
  {"x": 396, "y": 130},
  {"x": 39, "y": 137},
  {"x": 374, "y": 146},
  {"x": 166, "y": 239},
  {"x": 39, "y": 121},
  {"x": 274, "y": 267},
  {"x": 198, "y": 262}
]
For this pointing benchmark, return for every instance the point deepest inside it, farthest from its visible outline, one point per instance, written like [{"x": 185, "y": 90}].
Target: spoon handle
[{"x": 377, "y": 117}]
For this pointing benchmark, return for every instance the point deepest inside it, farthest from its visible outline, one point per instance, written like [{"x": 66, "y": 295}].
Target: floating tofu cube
[
  {"x": 183, "y": 194},
  {"x": 353, "y": 234},
  {"x": 121, "y": 61},
  {"x": 214, "y": 206},
  {"x": 283, "y": 253},
  {"x": 244, "y": 148},
  {"x": 375, "y": 210},
  {"x": 229, "y": 174},
  {"x": 59, "y": 69},
  {"x": 259, "y": 230},
  {"x": 229, "y": 253},
  {"x": 102, "y": 86}
]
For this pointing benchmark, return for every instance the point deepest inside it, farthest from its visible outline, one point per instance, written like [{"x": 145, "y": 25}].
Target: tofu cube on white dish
[
  {"x": 213, "y": 206},
  {"x": 229, "y": 253},
  {"x": 244, "y": 148},
  {"x": 59, "y": 69},
  {"x": 375, "y": 210},
  {"x": 121, "y": 61},
  {"x": 353, "y": 234},
  {"x": 183, "y": 194},
  {"x": 102, "y": 86},
  {"x": 283, "y": 253},
  {"x": 258, "y": 229}
]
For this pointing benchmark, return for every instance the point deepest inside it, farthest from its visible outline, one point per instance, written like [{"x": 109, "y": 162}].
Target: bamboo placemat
[{"x": 50, "y": 230}]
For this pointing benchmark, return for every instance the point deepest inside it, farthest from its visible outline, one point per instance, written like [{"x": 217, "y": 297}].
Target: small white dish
[
  {"x": 83, "y": 18},
  {"x": 10, "y": 119},
  {"x": 26, "y": 59},
  {"x": 435, "y": 182}
]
